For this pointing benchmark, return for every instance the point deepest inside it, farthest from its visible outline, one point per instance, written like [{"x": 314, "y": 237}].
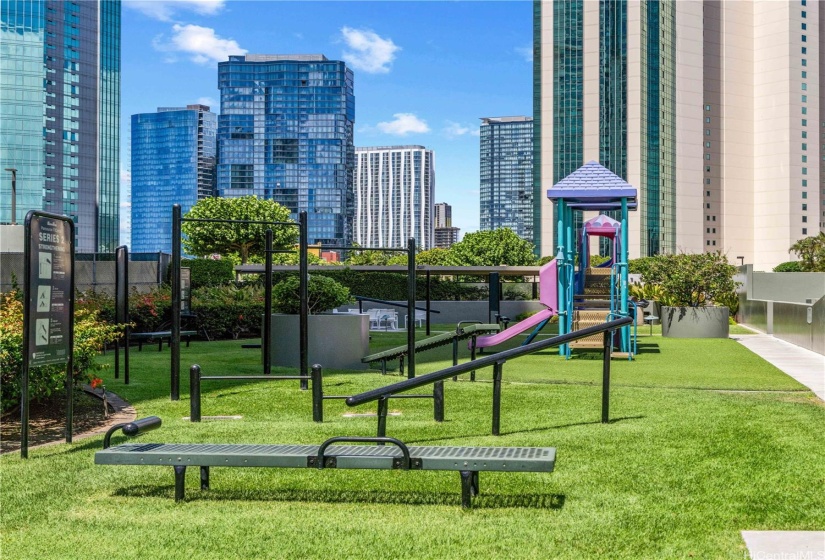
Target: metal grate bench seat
[
  {"x": 468, "y": 461},
  {"x": 160, "y": 336}
]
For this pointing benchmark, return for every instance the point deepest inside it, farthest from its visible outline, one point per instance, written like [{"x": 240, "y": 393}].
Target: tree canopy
[
  {"x": 236, "y": 239},
  {"x": 500, "y": 247},
  {"x": 811, "y": 251}
]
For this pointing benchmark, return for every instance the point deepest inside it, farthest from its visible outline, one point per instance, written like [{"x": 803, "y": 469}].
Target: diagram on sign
[
  {"x": 43, "y": 298},
  {"x": 45, "y": 265},
  {"x": 42, "y": 332}
]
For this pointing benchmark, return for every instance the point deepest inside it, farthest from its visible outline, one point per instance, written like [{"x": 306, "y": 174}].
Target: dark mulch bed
[{"x": 47, "y": 421}]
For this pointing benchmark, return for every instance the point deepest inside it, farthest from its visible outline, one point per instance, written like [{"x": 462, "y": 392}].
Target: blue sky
[{"x": 425, "y": 72}]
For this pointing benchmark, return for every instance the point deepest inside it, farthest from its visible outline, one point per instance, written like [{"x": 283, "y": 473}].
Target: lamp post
[{"x": 13, "y": 194}]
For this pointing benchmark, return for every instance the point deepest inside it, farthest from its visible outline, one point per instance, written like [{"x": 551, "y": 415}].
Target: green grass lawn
[{"x": 705, "y": 440}]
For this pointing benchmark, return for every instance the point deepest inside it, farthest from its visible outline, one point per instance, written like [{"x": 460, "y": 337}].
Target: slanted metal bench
[
  {"x": 140, "y": 338},
  {"x": 468, "y": 461}
]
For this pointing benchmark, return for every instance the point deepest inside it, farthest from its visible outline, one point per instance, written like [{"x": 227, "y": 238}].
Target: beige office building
[{"x": 711, "y": 109}]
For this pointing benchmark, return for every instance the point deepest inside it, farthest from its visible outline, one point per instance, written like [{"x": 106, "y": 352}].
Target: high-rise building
[
  {"x": 285, "y": 133},
  {"x": 394, "y": 187},
  {"x": 444, "y": 234},
  {"x": 506, "y": 178},
  {"x": 443, "y": 215},
  {"x": 60, "y": 113},
  {"x": 173, "y": 162},
  {"x": 711, "y": 109}
]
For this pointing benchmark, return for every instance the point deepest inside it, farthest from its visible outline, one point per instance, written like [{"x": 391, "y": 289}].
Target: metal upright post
[
  {"x": 428, "y": 303},
  {"x": 195, "y": 393},
  {"x": 608, "y": 344},
  {"x": 174, "y": 343},
  {"x": 497, "y": 369},
  {"x": 303, "y": 288},
  {"x": 317, "y": 394},
  {"x": 128, "y": 331},
  {"x": 438, "y": 401},
  {"x": 267, "y": 334},
  {"x": 411, "y": 307}
]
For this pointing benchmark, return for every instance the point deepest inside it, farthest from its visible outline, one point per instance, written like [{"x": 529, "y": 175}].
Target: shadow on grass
[
  {"x": 387, "y": 497},
  {"x": 527, "y": 431}
]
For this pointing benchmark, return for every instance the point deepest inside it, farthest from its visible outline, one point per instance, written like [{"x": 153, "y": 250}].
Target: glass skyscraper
[
  {"x": 285, "y": 133},
  {"x": 173, "y": 162},
  {"x": 60, "y": 113},
  {"x": 506, "y": 175}
]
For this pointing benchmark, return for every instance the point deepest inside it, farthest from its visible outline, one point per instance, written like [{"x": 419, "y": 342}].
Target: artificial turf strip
[{"x": 677, "y": 473}]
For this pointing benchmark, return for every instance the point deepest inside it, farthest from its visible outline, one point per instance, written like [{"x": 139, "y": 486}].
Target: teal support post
[
  {"x": 625, "y": 331},
  {"x": 562, "y": 276}
]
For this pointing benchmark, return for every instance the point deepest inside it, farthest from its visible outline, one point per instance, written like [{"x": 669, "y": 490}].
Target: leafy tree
[
  {"x": 323, "y": 293},
  {"x": 691, "y": 280},
  {"x": 236, "y": 239},
  {"x": 436, "y": 257},
  {"x": 501, "y": 247},
  {"x": 811, "y": 251}
]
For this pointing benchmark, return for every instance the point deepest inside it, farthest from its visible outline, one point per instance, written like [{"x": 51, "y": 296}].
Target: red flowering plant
[{"x": 90, "y": 334}]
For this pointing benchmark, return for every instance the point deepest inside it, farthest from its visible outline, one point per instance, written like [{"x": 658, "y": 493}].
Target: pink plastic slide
[{"x": 548, "y": 278}]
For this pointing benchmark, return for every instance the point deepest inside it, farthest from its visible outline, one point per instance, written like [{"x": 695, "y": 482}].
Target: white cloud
[
  {"x": 526, "y": 53},
  {"x": 404, "y": 123},
  {"x": 201, "y": 43},
  {"x": 211, "y": 102},
  {"x": 369, "y": 52},
  {"x": 165, "y": 10},
  {"x": 454, "y": 130}
]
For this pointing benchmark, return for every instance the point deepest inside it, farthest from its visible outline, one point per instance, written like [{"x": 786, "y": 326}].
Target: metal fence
[{"x": 800, "y": 323}]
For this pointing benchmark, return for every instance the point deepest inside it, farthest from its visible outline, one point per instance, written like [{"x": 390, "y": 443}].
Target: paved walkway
[
  {"x": 803, "y": 365},
  {"x": 809, "y": 369}
]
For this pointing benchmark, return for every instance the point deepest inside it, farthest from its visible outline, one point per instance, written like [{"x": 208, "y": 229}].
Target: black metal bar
[
  {"x": 127, "y": 333},
  {"x": 174, "y": 341},
  {"x": 24, "y": 375},
  {"x": 204, "y": 478},
  {"x": 70, "y": 365},
  {"x": 411, "y": 307},
  {"x": 239, "y": 222},
  {"x": 383, "y": 406},
  {"x": 303, "y": 288},
  {"x": 409, "y": 384},
  {"x": 438, "y": 401},
  {"x": 180, "y": 479},
  {"x": 317, "y": 394},
  {"x": 267, "y": 338},
  {"x": 474, "y": 488},
  {"x": 107, "y": 439},
  {"x": 466, "y": 488},
  {"x": 348, "y": 248},
  {"x": 404, "y": 396},
  {"x": 320, "y": 460},
  {"x": 195, "y": 393},
  {"x": 497, "y": 370},
  {"x": 428, "y": 303},
  {"x": 117, "y": 353},
  {"x": 473, "y": 357},
  {"x": 361, "y": 299},
  {"x": 254, "y": 377},
  {"x": 494, "y": 296},
  {"x": 608, "y": 346}
]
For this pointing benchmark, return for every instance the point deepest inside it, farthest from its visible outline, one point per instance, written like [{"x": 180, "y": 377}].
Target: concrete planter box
[
  {"x": 695, "y": 322},
  {"x": 335, "y": 341}
]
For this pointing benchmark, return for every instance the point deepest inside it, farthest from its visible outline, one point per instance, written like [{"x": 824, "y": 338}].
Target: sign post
[
  {"x": 122, "y": 308},
  {"x": 48, "y": 316}
]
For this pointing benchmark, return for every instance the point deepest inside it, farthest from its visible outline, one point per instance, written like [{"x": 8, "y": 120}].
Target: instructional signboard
[{"x": 50, "y": 243}]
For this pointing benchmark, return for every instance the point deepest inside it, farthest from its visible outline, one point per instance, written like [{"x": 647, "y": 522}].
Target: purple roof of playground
[{"x": 594, "y": 187}]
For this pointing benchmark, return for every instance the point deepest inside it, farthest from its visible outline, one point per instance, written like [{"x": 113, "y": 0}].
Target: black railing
[{"x": 497, "y": 361}]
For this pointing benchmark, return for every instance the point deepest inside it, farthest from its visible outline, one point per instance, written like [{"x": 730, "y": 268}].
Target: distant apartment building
[
  {"x": 173, "y": 162},
  {"x": 394, "y": 187},
  {"x": 712, "y": 110},
  {"x": 444, "y": 235},
  {"x": 285, "y": 133},
  {"x": 60, "y": 114},
  {"x": 506, "y": 175}
]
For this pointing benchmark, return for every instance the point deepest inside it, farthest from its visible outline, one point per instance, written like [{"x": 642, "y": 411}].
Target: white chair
[
  {"x": 375, "y": 318},
  {"x": 389, "y": 318},
  {"x": 420, "y": 317}
]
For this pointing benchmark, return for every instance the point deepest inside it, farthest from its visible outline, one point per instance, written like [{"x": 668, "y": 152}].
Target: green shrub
[
  {"x": 90, "y": 334},
  {"x": 640, "y": 266},
  {"x": 209, "y": 272},
  {"x": 224, "y": 312},
  {"x": 323, "y": 294},
  {"x": 790, "y": 266},
  {"x": 691, "y": 280},
  {"x": 152, "y": 310}
]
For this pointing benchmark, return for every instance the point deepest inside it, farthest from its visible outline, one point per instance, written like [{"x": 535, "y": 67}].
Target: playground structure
[
  {"x": 548, "y": 279},
  {"x": 582, "y": 299}
]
